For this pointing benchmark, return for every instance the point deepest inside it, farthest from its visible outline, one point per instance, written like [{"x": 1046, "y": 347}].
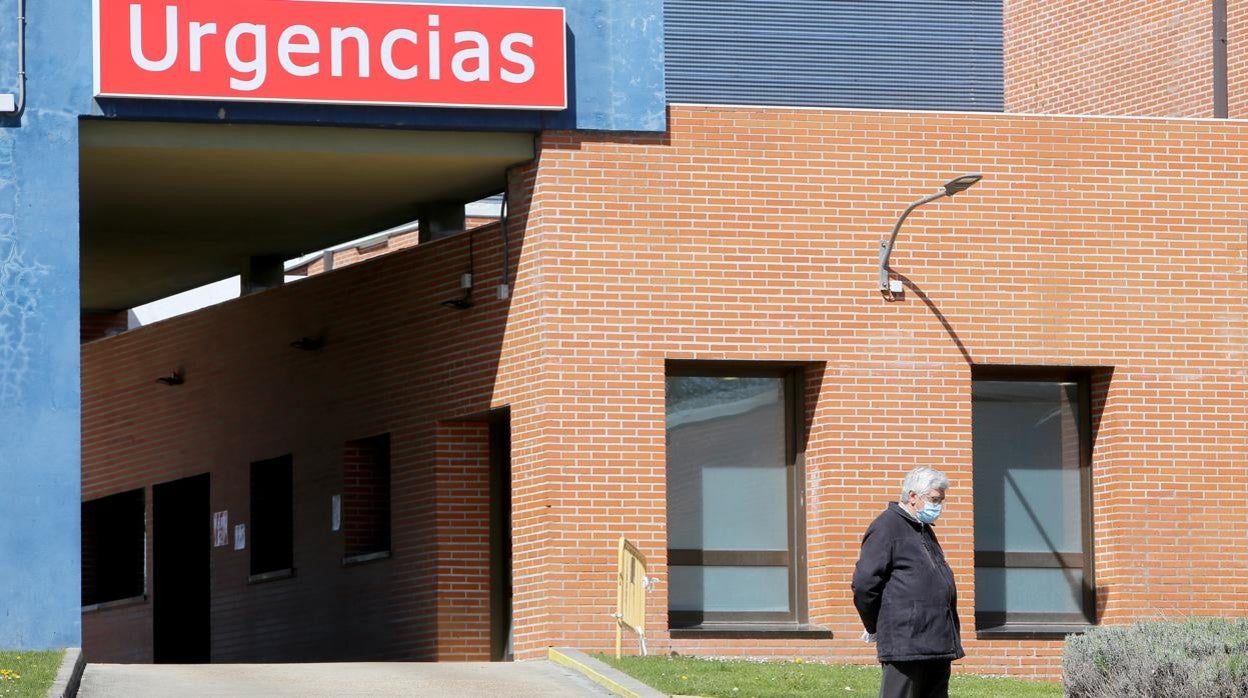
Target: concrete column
[
  {"x": 261, "y": 272},
  {"x": 40, "y": 551},
  {"x": 437, "y": 220}
]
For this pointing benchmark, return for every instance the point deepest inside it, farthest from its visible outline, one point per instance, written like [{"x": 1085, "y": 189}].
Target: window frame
[
  {"x": 794, "y": 376},
  {"x": 990, "y": 623}
]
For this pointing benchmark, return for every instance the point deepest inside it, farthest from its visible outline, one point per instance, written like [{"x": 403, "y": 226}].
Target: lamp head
[
  {"x": 308, "y": 343},
  {"x": 961, "y": 184},
  {"x": 459, "y": 303}
]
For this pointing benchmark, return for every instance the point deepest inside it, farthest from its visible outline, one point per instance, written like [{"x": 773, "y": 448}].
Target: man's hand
[{"x": 867, "y": 637}]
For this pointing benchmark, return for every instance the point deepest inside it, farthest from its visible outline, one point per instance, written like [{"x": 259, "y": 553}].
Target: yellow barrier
[{"x": 630, "y": 610}]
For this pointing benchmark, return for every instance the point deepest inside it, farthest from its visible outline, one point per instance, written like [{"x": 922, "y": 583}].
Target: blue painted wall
[{"x": 39, "y": 386}]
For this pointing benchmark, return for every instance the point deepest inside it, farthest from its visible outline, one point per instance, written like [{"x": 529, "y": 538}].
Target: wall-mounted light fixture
[
  {"x": 178, "y": 377},
  {"x": 464, "y": 302},
  {"x": 954, "y": 186},
  {"x": 308, "y": 343}
]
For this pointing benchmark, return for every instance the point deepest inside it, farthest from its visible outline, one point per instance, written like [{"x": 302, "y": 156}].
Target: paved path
[{"x": 532, "y": 679}]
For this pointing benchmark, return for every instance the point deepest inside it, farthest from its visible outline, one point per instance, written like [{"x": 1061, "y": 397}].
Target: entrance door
[
  {"x": 500, "y": 536},
  {"x": 181, "y": 540}
]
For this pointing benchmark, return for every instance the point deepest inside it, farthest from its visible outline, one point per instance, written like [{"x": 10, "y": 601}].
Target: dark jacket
[{"x": 904, "y": 590}]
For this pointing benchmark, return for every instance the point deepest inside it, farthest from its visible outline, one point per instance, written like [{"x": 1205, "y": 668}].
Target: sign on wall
[
  {"x": 220, "y": 528},
  {"x": 332, "y": 51}
]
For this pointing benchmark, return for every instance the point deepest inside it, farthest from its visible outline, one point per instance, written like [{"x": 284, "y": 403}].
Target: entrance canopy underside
[{"x": 168, "y": 207}]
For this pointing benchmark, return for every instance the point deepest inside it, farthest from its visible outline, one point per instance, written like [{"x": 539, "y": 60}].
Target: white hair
[{"x": 922, "y": 480}]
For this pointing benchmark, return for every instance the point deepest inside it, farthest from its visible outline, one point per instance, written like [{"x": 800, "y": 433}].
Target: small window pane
[
  {"x": 726, "y": 451},
  {"x": 272, "y": 515},
  {"x": 114, "y": 547},
  {"x": 1028, "y": 590},
  {"x": 1027, "y": 458},
  {"x": 742, "y": 509},
  {"x": 727, "y": 589}
]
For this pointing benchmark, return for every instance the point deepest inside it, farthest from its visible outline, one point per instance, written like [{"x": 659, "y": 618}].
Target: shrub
[{"x": 1196, "y": 658}]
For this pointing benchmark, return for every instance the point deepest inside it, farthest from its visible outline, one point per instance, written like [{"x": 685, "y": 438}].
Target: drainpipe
[
  {"x": 1220, "y": 100},
  {"x": 504, "y": 288},
  {"x": 7, "y": 105}
]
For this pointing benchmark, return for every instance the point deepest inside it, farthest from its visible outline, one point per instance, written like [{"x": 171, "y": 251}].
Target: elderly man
[{"x": 904, "y": 592}]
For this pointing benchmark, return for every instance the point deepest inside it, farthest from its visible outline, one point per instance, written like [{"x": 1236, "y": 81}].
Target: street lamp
[{"x": 953, "y": 186}]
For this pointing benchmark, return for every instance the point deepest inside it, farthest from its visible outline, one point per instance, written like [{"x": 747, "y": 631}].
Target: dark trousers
[{"x": 927, "y": 679}]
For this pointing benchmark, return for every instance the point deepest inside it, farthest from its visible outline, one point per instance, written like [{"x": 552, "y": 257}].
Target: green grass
[
  {"x": 743, "y": 679},
  {"x": 28, "y": 674}
]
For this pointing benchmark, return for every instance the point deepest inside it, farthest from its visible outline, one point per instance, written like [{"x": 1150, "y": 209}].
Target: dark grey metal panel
[{"x": 894, "y": 54}]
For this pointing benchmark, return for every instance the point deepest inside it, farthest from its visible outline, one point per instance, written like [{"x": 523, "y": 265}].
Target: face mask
[{"x": 930, "y": 512}]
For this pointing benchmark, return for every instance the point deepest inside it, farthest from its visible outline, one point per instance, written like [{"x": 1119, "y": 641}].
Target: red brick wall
[
  {"x": 121, "y": 634},
  {"x": 250, "y": 395},
  {"x": 751, "y": 234},
  {"x": 1136, "y": 57},
  {"x": 745, "y": 234}
]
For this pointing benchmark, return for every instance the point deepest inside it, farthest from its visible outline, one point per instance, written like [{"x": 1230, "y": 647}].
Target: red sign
[{"x": 332, "y": 51}]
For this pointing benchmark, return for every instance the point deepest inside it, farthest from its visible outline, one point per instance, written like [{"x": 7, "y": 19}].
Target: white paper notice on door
[
  {"x": 240, "y": 536},
  {"x": 335, "y": 514},
  {"x": 220, "y": 528}
]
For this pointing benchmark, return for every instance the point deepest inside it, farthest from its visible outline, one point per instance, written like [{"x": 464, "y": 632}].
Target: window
[
  {"x": 1032, "y": 453},
  {"x": 272, "y": 516},
  {"x": 366, "y": 498},
  {"x": 113, "y": 548},
  {"x": 733, "y": 514}
]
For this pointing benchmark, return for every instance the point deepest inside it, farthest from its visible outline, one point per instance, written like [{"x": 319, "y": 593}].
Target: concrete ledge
[
  {"x": 615, "y": 681},
  {"x": 69, "y": 675}
]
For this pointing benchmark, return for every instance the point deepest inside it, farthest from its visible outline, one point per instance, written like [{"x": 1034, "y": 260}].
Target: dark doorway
[
  {"x": 500, "y": 536},
  {"x": 181, "y": 539}
]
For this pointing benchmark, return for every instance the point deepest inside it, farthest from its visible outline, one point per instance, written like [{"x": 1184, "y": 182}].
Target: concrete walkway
[{"x": 457, "y": 680}]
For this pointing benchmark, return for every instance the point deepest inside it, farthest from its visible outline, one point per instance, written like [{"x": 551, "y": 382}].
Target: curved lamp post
[{"x": 953, "y": 186}]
